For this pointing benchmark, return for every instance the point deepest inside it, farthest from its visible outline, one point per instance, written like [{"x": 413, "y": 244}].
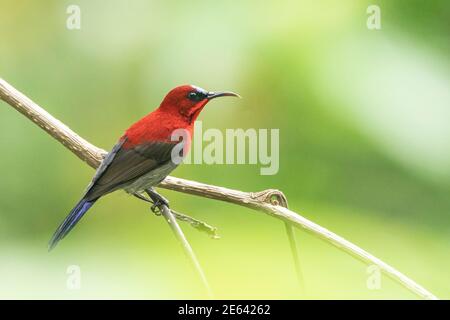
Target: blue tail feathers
[{"x": 70, "y": 221}]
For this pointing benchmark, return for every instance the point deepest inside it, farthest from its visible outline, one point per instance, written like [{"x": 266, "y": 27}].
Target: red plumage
[
  {"x": 156, "y": 126},
  {"x": 175, "y": 112}
]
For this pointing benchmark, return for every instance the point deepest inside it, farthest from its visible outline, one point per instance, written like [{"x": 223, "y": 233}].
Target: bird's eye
[
  {"x": 192, "y": 95},
  {"x": 196, "y": 96}
]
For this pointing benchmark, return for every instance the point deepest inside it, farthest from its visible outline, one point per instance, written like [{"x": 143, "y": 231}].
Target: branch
[{"x": 263, "y": 201}]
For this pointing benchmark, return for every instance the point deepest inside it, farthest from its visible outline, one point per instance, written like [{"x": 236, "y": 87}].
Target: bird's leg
[
  {"x": 157, "y": 199},
  {"x": 142, "y": 197}
]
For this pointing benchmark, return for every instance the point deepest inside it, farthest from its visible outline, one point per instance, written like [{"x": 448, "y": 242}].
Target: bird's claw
[
  {"x": 155, "y": 209},
  {"x": 157, "y": 200},
  {"x": 157, "y": 204}
]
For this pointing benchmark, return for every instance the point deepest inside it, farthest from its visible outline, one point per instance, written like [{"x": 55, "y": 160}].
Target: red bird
[{"x": 143, "y": 156}]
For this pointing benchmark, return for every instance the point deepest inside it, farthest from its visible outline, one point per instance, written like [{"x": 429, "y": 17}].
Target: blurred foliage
[{"x": 364, "y": 151}]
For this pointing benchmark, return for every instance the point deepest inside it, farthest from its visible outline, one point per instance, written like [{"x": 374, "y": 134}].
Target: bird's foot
[
  {"x": 156, "y": 207},
  {"x": 158, "y": 201}
]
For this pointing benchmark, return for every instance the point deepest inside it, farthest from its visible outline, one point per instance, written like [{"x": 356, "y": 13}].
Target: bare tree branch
[{"x": 262, "y": 201}]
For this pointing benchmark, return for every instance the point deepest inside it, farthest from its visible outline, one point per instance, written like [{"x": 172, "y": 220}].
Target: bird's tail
[{"x": 70, "y": 221}]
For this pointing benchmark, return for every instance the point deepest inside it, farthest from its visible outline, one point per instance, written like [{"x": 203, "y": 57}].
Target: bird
[{"x": 144, "y": 154}]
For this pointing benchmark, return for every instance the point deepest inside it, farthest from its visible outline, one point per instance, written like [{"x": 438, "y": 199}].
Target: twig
[
  {"x": 260, "y": 201},
  {"x": 279, "y": 199},
  {"x": 195, "y": 223},
  {"x": 186, "y": 246},
  {"x": 169, "y": 217},
  {"x": 294, "y": 251}
]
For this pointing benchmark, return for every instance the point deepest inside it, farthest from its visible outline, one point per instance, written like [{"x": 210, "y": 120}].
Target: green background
[{"x": 364, "y": 119}]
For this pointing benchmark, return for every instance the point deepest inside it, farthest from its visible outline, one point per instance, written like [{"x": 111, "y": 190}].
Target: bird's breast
[
  {"x": 152, "y": 178},
  {"x": 157, "y": 126}
]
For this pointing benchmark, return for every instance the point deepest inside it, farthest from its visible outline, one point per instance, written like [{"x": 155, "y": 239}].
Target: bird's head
[{"x": 188, "y": 101}]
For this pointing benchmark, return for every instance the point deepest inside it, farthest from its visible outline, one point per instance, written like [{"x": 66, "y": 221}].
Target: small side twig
[
  {"x": 279, "y": 199},
  {"x": 197, "y": 224},
  {"x": 295, "y": 257}
]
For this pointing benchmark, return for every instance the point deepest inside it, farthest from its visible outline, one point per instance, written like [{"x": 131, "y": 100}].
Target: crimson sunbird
[{"x": 142, "y": 157}]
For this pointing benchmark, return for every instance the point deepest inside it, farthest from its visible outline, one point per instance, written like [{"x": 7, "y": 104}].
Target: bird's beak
[{"x": 213, "y": 95}]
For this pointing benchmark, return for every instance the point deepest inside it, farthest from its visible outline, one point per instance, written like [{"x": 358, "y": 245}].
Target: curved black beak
[{"x": 213, "y": 95}]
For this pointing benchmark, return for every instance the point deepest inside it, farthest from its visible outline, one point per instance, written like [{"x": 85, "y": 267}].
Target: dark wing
[{"x": 124, "y": 165}]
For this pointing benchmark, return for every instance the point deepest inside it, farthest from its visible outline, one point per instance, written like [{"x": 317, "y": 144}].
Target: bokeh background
[{"x": 364, "y": 119}]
